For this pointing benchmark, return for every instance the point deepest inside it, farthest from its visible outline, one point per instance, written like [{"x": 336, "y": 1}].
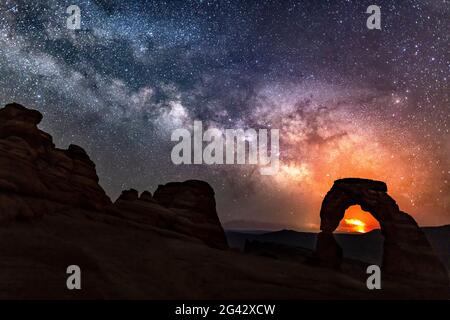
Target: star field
[{"x": 348, "y": 101}]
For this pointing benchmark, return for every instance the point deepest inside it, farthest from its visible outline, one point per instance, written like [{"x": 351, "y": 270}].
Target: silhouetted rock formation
[
  {"x": 188, "y": 209},
  {"x": 407, "y": 252},
  {"x": 194, "y": 201},
  {"x": 37, "y": 178},
  {"x": 193, "y": 195},
  {"x": 328, "y": 250},
  {"x": 129, "y": 195},
  {"x": 146, "y": 196}
]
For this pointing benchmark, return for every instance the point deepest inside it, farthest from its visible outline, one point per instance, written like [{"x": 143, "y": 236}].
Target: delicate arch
[{"x": 406, "y": 250}]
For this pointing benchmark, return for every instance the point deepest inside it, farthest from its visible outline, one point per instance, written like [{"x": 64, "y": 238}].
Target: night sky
[{"x": 348, "y": 101}]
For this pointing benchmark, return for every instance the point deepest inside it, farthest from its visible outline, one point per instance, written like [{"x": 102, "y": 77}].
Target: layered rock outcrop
[
  {"x": 186, "y": 207},
  {"x": 36, "y": 178},
  {"x": 194, "y": 202},
  {"x": 406, "y": 253}
]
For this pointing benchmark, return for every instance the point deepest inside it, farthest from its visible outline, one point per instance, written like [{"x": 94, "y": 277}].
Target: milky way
[{"x": 348, "y": 101}]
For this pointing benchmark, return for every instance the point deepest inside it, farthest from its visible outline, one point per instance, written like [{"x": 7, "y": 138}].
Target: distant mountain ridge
[{"x": 367, "y": 248}]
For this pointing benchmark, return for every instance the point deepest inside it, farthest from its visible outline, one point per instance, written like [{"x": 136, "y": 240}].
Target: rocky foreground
[{"x": 169, "y": 245}]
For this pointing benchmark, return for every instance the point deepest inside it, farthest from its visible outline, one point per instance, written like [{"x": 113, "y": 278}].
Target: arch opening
[{"x": 356, "y": 220}]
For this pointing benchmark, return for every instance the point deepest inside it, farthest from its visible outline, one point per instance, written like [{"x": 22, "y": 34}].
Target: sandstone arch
[{"x": 406, "y": 251}]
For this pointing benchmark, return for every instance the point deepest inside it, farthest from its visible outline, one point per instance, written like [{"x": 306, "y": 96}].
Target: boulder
[
  {"x": 129, "y": 195},
  {"x": 194, "y": 203},
  {"x": 146, "y": 196}
]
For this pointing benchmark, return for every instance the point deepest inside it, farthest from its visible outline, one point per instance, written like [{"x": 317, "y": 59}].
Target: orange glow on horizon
[
  {"x": 358, "y": 225},
  {"x": 357, "y": 220}
]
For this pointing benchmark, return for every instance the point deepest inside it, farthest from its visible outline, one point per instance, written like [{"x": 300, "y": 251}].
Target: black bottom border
[{"x": 155, "y": 309}]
